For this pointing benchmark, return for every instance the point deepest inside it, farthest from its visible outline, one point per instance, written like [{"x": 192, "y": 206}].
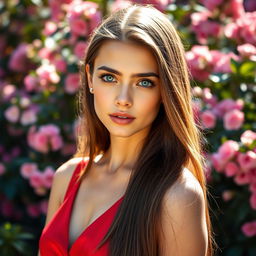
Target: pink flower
[
  {"x": 221, "y": 61},
  {"x": 231, "y": 30},
  {"x": 79, "y": 27},
  {"x": 242, "y": 178},
  {"x": 48, "y": 73},
  {"x": 80, "y": 49},
  {"x": 217, "y": 162},
  {"x": 49, "y": 129},
  {"x": 60, "y": 65},
  {"x": 8, "y": 91},
  {"x": 226, "y": 105},
  {"x": 40, "y": 142},
  {"x": 234, "y": 8},
  {"x": 228, "y": 150},
  {"x": 249, "y": 228},
  {"x": 247, "y": 160},
  {"x": 233, "y": 119},
  {"x": 2, "y": 169},
  {"x": 56, "y": 142},
  {"x": 208, "y": 119},
  {"x": 46, "y": 53},
  {"x": 48, "y": 176},
  {"x": 252, "y": 187},
  {"x": 208, "y": 97},
  {"x": 36, "y": 179},
  {"x": 231, "y": 169},
  {"x": 119, "y": 4},
  {"x": 27, "y": 169},
  {"x": 31, "y": 83},
  {"x": 199, "y": 61},
  {"x": 252, "y": 175},
  {"x": 211, "y": 4},
  {"x": 246, "y": 50},
  {"x": 253, "y": 201},
  {"x": 12, "y": 114},
  {"x": 19, "y": 61},
  {"x": 28, "y": 117},
  {"x": 248, "y": 137},
  {"x": 50, "y": 28},
  {"x": 45, "y": 138},
  {"x": 243, "y": 30},
  {"x": 72, "y": 83}
]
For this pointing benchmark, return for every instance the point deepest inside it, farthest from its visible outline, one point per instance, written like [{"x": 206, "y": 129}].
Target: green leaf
[
  {"x": 234, "y": 66},
  {"x": 248, "y": 69}
]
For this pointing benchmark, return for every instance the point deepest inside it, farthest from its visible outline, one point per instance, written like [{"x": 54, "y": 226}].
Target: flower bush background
[{"x": 41, "y": 43}]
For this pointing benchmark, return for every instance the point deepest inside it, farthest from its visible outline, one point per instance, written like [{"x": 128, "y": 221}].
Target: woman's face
[{"x": 125, "y": 80}]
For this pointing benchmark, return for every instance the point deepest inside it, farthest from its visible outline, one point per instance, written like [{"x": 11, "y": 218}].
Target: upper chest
[{"x": 92, "y": 199}]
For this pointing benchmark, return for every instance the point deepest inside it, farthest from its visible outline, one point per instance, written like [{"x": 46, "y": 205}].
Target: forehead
[{"x": 126, "y": 57}]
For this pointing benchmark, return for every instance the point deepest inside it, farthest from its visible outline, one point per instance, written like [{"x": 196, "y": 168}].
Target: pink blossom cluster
[
  {"x": 227, "y": 8},
  {"x": 41, "y": 181},
  {"x": 83, "y": 17},
  {"x": 18, "y": 59},
  {"x": 202, "y": 62},
  {"x": 243, "y": 30},
  {"x": 204, "y": 27},
  {"x": 227, "y": 110},
  {"x": 241, "y": 166},
  {"x": 26, "y": 116},
  {"x": 46, "y": 138}
]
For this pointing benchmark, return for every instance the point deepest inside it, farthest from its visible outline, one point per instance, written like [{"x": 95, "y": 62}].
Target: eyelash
[{"x": 148, "y": 80}]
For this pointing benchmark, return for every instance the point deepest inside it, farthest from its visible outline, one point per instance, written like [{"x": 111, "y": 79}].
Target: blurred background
[{"x": 41, "y": 44}]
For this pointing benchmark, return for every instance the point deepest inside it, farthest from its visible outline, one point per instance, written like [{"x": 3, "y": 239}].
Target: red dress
[{"x": 55, "y": 235}]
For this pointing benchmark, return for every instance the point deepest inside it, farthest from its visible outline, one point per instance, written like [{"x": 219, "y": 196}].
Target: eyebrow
[{"x": 134, "y": 75}]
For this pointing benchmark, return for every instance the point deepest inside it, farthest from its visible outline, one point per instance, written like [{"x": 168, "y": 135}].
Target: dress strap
[{"x": 73, "y": 181}]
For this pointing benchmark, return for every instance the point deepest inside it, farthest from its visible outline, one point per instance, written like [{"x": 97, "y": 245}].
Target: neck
[{"x": 123, "y": 152}]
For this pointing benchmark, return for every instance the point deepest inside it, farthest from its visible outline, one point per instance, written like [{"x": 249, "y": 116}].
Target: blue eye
[
  {"x": 146, "y": 83},
  {"x": 107, "y": 78}
]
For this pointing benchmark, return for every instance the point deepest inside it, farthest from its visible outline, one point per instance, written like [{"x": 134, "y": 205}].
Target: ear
[{"x": 89, "y": 77}]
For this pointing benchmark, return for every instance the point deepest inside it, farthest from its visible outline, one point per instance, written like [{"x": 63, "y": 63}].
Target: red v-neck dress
[{"x": 55, "y": 235}]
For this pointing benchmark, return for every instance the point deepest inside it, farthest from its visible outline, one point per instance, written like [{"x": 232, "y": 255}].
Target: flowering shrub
[{"x": 40, "y": 47}]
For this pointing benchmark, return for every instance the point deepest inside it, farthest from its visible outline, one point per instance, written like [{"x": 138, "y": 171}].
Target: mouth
[{"x": 121, "y": 118}]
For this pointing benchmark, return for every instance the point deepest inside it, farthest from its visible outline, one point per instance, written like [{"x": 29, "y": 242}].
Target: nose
[{"x": 123, "y": 97}]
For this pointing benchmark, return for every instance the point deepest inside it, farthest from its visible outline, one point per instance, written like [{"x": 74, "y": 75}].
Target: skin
[{"x": 124, "y": 92}]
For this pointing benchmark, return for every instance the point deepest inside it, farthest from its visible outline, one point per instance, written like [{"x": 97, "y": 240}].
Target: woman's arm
[{"x": 184, "y": 229}]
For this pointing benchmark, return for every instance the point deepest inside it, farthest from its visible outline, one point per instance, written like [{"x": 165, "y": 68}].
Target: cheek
[
  {"x": 101, "y": 99},
  {"x": 149, "y": 106}
]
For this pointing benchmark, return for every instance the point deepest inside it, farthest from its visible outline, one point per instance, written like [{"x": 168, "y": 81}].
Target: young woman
[{"x": 136, "y": 186}]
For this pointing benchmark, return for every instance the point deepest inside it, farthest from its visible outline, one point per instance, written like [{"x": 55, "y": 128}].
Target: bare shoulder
[
  {"x": 186, "y": 189},
  {"x": 59, "y": 186},
  {"x": 183, "y": 220},
  {"x": 64, "y": 173}
]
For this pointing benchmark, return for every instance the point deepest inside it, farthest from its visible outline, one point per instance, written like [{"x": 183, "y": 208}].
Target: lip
[
  {"x": 121, "y": 121},
  {"x": 122, "y": 114}
]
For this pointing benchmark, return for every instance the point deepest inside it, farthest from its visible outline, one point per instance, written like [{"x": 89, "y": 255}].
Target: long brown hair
[{"x": 175, "y": 140}]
